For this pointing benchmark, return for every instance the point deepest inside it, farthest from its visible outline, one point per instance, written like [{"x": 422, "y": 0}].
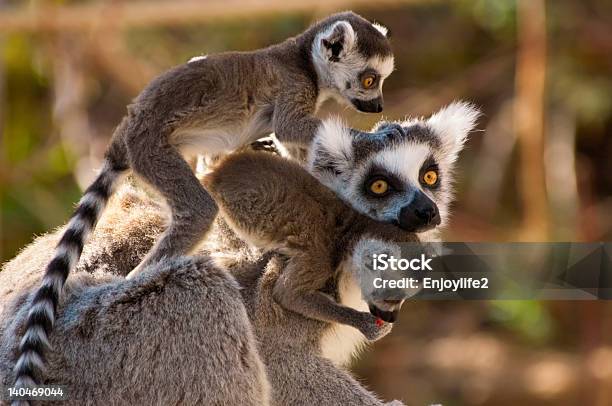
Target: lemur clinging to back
[
  {"x": 274, "y": 204},
  {"x": 212, "y": 105}
]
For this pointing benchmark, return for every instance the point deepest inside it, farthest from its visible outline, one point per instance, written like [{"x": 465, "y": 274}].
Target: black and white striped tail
[{"x": 30, "y": 364}]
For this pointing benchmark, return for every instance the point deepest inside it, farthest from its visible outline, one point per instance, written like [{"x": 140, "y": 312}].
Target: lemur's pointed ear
[
  {"x": 382, "y": 29},
  {"x": 452, "y": 124},
  {"x": 331, "y": 150},
  {"x": 337, "y": 40}
]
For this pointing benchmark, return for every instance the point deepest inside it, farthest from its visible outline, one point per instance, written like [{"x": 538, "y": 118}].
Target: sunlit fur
[
  {"x": 437, "y": 139},
  {"x": 341, "y": 79},
  {"x": 381, "y": 28}
]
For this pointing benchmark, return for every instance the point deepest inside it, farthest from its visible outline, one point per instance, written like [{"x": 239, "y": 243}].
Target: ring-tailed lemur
[
  {"x": 408, "y": 171},
  {"x": 275, "y": 204},
  {"x": 212, "y": 105}
]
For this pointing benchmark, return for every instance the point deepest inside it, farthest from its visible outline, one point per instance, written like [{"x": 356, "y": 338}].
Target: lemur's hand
[
  {"x": 390, "y": 130},
  {"x": 384, "y": 133},
  {"x": 266, "y": 145},
  {"x": 395, "y": 403},
  {"x": 372, "y": 327}
]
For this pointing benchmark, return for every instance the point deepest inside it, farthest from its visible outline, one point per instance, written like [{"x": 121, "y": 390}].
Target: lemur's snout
[
  {"x": 421, "y": 214},
  {"x": 387, "y": 315},
  {"x": 369, "y": 106}
]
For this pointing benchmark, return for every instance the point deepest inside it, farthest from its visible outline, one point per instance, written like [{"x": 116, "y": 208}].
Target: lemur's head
[
  {"x": 352, "y": 58},
  {"x": 403, "y": 176},
  {"x": 382, "y": 303}
]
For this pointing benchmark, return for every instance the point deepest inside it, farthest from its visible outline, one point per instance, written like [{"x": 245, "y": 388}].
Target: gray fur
[
  {"x": 153, "y": 337},
  {"x": 112, "y": 327},
  {"x": 210, "y": 105},
  {"x": 292, "y": 352}
]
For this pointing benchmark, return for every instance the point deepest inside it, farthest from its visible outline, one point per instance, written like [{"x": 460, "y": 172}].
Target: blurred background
[{"x": 540, "y": 169}]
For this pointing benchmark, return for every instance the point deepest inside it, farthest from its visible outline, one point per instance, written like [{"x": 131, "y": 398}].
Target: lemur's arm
[
  {"x": 294, "y": 120},
  {"x": 298, "y": 290}
]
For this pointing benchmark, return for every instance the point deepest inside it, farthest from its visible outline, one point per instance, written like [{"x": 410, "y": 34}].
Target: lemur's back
[
  {"x": 270, "y": 200},
  {"x": 273, "y": 199},
  {"x": 225, "y": 87}
]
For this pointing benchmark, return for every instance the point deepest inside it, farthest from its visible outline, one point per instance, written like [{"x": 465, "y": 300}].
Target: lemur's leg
[
  {"x": 298, "y": 290},
  {"x": 193, "y": 209},
  {"x": 293, "y": 116}
]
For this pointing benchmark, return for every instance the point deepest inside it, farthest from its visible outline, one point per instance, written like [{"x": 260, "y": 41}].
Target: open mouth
[{"x": 387, "y": 316}]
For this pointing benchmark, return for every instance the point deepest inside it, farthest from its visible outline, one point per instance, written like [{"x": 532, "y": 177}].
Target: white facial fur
[
  {"x": 342, "y": 74},
  {"x": 340, "y": 343},
  {"x": 445, "y": 133}
]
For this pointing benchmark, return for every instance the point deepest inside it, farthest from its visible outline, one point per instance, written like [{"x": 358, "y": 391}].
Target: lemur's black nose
[
  {"x": 369, "y": 106},
  {"x": 427, "y": 215},
  {"x": 421, "y": 214},
  {"x": 379, "y": 106}
]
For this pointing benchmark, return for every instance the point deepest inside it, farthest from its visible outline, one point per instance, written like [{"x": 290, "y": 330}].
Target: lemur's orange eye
[
  {"x": 379, "y": 187},
  {"x": 367, "y": 82},
  {"x": 430, "y": 178}
]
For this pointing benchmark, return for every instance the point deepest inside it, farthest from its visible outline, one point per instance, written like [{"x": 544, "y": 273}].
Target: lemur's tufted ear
[
  {"x": 331, "y": 150},
  {"x": 336, "y": 41},
  {"x": 382, "y": 29},
  {"x": 452, "y": 124}
]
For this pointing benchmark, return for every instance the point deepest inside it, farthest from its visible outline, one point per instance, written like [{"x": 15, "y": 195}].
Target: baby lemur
[
  {"x": 274, "y": 204},
  {"x": 213, "y": 105}
]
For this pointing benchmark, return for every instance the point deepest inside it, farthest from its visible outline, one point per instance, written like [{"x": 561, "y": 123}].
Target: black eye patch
[
  {"x": 370, "y": 72},
  {"x": 430, "y": 164},
  {"x": 376, "y": 173}
]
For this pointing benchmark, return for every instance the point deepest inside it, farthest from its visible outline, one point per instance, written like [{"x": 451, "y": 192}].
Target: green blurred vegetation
[{"x": 37, "y": 170}]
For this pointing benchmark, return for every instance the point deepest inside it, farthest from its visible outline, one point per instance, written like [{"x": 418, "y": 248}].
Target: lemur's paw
[
  {"x": 384, "y": 328},
  {"x": 390, "y": 130},
  {"x": 373, "y": 328},
  {"x": 395, "y": 403},
  {"x": 386, "y": 132},
  {"x": 265, "y": 145}
]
